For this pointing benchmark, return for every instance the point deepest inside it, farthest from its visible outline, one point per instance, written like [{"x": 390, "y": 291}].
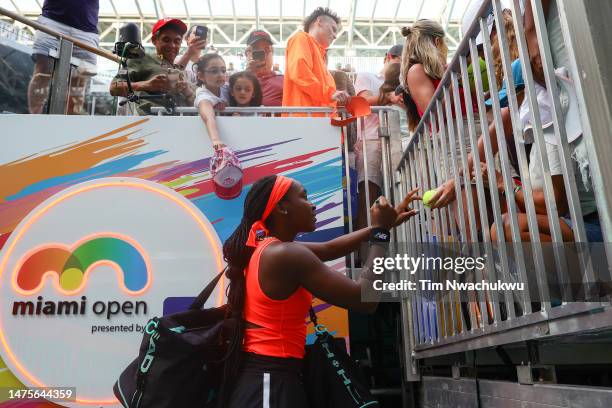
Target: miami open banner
[{"x": 106, "y": 222}]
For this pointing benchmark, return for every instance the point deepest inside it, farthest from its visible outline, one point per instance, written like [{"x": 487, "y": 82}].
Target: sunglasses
[{"x": 216, "y": 71}]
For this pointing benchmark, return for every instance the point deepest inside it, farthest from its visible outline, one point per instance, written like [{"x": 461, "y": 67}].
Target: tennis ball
[{"x": 428, "y": 196}]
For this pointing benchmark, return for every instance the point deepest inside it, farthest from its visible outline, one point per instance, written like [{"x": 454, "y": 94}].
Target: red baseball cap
[
  {"x": 258, "y": 35},
  {"x": 226, "y": 173},
  {"x": 227, "y": 183},
  {"x": 169, "y": 21}
]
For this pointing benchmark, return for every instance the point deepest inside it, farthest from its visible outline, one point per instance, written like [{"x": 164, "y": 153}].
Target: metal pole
[
  {"x": 60, "y": 83},
  {"x": 347, "y": 172}
]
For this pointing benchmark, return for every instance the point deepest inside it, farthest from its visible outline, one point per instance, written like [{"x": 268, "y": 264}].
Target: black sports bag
[
  {"x": 180, "y": 360},
  {"x": 331, "y": 378}
]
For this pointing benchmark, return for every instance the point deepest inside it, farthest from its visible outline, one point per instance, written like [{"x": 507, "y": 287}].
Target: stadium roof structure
[{"x": 368, "y": 26}]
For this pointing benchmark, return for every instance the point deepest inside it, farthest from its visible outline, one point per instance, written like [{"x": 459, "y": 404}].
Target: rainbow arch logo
[{"x": 73, "y": 265}]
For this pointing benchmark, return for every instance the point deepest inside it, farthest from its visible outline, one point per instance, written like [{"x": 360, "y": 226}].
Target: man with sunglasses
[
  {"x": 156, "y": 74},
  {"x": 260, "y": 58}
]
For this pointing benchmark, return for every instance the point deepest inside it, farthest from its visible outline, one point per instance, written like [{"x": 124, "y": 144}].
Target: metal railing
[{"x": 489, "y": 220}]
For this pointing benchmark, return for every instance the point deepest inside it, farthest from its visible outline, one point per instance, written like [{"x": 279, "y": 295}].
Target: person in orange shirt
[{"x": 307, "y": 80}]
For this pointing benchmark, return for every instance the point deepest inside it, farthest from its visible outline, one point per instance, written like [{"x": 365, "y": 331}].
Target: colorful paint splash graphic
[
  {"x": 123, "y": 152},
  {"x": 71, "y": 266}
]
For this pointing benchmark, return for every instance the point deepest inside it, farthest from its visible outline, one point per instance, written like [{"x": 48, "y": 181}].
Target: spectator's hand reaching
[
  {"x": 159, "y": 83},
  {"x": 220, "y": 106},
  {"x": 342, "y": 97},
  {"x": 444, "y": 195}
]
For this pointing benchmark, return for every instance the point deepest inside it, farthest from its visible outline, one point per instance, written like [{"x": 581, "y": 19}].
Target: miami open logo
[
  {"x": 82, "y": 274},
  {"x": 70, "y": 266}
]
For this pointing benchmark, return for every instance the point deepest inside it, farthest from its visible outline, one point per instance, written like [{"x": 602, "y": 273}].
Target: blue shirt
[{"x": 81, "y": 14}]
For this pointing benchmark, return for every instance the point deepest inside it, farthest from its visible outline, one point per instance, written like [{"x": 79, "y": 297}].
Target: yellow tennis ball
[{"x": 428, "y": 196}]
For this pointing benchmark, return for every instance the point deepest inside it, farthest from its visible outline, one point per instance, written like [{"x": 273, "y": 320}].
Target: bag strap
[
  {"x": 199, "y": 301},
  {"x": 141, "y": 376},
  {"x": 313, "y": 316}
]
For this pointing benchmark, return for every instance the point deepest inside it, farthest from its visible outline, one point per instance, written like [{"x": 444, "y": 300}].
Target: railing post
[
  {"x": 60, "y": 83},
  {"x": 591, "y": 64}
]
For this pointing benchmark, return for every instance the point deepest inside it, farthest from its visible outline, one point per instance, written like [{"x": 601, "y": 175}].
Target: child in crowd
[
  {"x": 244, "y": 90},
  {"x": 213, "y": 93}
]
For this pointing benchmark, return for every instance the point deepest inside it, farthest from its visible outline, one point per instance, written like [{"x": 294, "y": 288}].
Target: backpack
[{"x": 180, "y": 358}]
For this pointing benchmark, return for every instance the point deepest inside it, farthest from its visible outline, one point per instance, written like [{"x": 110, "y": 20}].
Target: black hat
[
  {"x": 258, "y": 35},
  {"x": 396, "y": 50}
]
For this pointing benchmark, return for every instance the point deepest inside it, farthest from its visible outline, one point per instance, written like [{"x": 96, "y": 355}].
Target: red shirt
[
  {"x": 271, "y": 89},
  {"x": 283, "y": 322}
]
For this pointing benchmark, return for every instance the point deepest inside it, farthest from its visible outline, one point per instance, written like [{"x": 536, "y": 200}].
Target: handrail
[
  {"x": 267, "y": 109},
  {"x": 78, "y": 43}
]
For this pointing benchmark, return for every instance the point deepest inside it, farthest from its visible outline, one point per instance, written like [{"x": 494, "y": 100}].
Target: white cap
[{"x": 472, "y": 11}]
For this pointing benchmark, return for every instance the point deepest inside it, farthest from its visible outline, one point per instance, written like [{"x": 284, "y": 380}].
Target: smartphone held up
[{"x": 201, "y": 32}]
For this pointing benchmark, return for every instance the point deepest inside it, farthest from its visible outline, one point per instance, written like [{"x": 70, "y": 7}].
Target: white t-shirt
[
  {"x": 203, "y": 94},
  {"x": 190, "y": 74},
  {"x": 369, "y": 82}
]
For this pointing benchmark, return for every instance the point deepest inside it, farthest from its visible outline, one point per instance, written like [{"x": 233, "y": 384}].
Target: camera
[
  {"x": 259, "y": 55},
  {"x": 201, "y": 31},
  {"x": 129, "y": 45},
  {"x": 174, "y": 75}
]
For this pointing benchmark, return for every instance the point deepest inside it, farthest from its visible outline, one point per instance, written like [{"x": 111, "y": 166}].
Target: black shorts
[{"x": 269, "y": 382}]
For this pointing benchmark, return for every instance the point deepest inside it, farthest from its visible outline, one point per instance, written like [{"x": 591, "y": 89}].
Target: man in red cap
[
  {"x": 259, "y": 53},
  {"x": 156, "y": 74}
]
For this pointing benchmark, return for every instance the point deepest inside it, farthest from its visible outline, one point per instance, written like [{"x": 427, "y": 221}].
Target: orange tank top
[{"x": 283, "y": 322}]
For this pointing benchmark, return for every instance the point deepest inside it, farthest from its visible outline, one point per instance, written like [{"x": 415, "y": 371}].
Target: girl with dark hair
[
  {"x": 273, "y": 280},
  {"x": 245, "y": 90},
  {"x": 212, "y": 93}
]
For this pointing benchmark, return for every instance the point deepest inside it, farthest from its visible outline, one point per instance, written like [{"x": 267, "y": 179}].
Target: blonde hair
[
  {"x": 420, "y": 48},
  {"x": 511, "y": 41}
]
